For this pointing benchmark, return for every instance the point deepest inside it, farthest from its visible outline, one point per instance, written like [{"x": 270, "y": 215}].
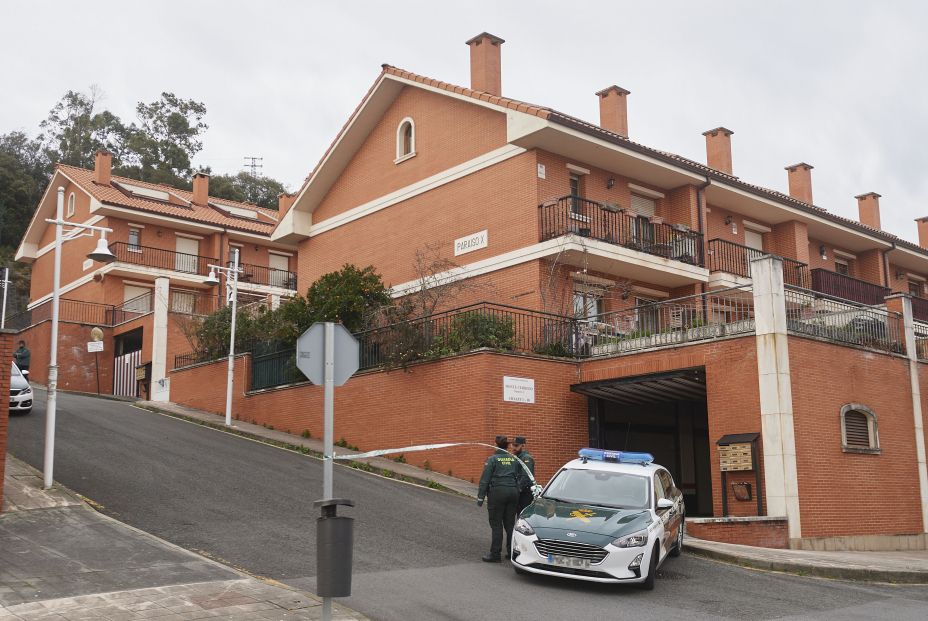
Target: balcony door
[
  {"x": 280, "y": 266},
  {"x": 754, "y": 241},
  {"x": 644, "y": 208},
  {"x": 186, "y": 258}
]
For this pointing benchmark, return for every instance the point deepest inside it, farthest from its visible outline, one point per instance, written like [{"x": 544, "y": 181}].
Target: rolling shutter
[
  {"x": 643, "y": 206},
  {"x": 856, "y": 429}
]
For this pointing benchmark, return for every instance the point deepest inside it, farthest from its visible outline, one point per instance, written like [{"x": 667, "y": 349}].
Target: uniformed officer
[
  {"x": 499, "y": 485},
  {"x": 525, "y": 482}
]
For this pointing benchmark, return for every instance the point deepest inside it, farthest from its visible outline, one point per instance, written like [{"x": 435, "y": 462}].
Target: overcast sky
[{"x": 840, "y": 85}]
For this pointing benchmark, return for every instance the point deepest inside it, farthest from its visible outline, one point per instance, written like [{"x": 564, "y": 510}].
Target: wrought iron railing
[
  {"x": 919, "y": 309},
  {"x": 705, "y": 316},
  {"x": 921, "y": 340},
  {"x": 275, "y": 369},
  {"x": 163, "y": 259},
  {"x": 74, "y": 311},
  {"x": 726, "y": 256},
  {"x": 609, "y": 223},
  {"x": 847, "y": 287},
  {"x": 194, "y": 302},
  {"x": 261, "y": 275},
  {"x": 844, "y": 321},
  {"x": 133, "y": 308},
  {"x": 484, "y": 325}
]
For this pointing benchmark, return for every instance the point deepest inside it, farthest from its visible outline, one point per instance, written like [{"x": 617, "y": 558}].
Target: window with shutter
[
  {"x": 643, "y": 206},
  {"x": 858, "y": 429}
]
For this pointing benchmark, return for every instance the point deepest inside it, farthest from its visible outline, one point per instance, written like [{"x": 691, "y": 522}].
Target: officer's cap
[{"x": 518, "y": 440}]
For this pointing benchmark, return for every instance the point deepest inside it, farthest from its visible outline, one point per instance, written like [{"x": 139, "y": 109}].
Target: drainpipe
[
  {"x": 700, "y": 217},
  {"x": 886, "y": 266}
]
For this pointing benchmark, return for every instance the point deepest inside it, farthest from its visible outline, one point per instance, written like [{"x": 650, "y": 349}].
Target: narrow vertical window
[
  {"x": 70, "y": 211},
  {"x": 405, "y": 139},
  {"x": 135, "y": 239}
]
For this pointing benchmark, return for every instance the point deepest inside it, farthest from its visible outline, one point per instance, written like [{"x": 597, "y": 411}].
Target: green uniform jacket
[
  {"x": 22, "y": 356},
  {"x": 529, "y": 460},
  {"x": 499, "y": 471}
]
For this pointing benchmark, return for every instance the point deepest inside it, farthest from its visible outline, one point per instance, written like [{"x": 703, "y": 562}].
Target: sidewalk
[
  {"x": 61, "y": 560},
  {"x": 312, "y": 445},
  {"x": 901, "y": 567}
]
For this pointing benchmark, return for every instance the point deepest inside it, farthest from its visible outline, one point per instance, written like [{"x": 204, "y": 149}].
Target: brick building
[
  {"x": 769, "y": 352},
  {"x": 164, "y": 240}
]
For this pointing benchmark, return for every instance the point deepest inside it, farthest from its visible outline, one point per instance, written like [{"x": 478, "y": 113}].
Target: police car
[{"x": 606, "y": 517}]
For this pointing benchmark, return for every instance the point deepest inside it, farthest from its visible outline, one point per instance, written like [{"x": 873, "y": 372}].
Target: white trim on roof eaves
[{"x": 453, "y": 95}]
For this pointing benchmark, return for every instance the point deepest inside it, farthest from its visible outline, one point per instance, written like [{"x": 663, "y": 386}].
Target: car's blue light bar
[{"x": 621, "y": 457}]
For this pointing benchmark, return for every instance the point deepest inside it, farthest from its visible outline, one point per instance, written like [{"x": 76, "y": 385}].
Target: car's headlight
[
  {"x": 28, "y": 391},
  {"x": 635, "y": 540},
  {"x": 524, "y": 527}
]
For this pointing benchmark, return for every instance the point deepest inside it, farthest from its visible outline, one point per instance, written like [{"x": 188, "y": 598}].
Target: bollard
[{"x": 334, "y": 543}]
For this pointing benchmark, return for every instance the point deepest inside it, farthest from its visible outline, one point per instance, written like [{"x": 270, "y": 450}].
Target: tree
[
  {"x": 74, "y": 130},
  {"x": 246, "y": 188},
  {"x": 159, "y": 149},
  {"x": 349, "y": 295},
  {"x": 23, "y": 176}
]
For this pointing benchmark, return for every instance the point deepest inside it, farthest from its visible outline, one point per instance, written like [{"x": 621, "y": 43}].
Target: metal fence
[
  {"x": 75, "y": 311},
  {"x": 261, "y": 275},
  {"x": 612, "y": 224},
  {"x": 921, "y": 340},
  {"x": 694, "y": 318},
  {"x": 725, "y": 256},
  {"x": 133, "y": 308},
  {"x": 163, "y": 259},
  {"x": 194, "y": 302},
  {"x": 275, "y": 369},
  {"x": 848, "y": 287},
  {"x": 844, "y": 321}
]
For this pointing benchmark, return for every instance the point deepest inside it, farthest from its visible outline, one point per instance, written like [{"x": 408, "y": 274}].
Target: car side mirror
[{"x": 664, "y": 504}]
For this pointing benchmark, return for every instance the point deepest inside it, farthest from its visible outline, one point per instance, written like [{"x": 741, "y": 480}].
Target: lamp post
[
  {"x": 4, "y": 284},
  {"x": 231, "y": 274},
  {"x": 101, "y": 254}
]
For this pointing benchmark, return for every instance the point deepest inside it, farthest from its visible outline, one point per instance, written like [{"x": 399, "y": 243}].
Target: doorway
[
  {"x": 664, "y": 414},
  {"x": 127, "y": 350}
]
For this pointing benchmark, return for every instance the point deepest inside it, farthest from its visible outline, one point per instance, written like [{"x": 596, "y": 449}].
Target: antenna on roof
[{"x": 253, "y": 164}]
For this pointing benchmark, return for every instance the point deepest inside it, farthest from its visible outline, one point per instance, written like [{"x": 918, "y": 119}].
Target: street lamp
[
  {"x": 4, "y": 284},
  {"x": 231, "y": 274},
  {"x": 102, "y": 254}
]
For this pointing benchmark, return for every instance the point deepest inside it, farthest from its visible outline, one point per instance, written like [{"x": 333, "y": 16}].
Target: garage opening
[
  {"x": 664, "y": 414},
  {"x": 127, "y": 355}
]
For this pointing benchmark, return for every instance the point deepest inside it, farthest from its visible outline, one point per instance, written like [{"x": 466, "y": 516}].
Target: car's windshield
[
  {"x": 600, "y": 487},
  {"x": 16, "y": 372}
]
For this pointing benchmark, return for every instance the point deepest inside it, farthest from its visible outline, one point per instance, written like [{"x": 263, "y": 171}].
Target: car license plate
[{"x": 569, "y": 561}]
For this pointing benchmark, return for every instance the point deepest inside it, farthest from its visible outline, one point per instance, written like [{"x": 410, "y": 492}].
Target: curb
[
  {"x": 855, "y": 574},
  {"x": 304, "y": 450}
]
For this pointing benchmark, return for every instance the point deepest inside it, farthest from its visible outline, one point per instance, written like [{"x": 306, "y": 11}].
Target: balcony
[
  {"x": 726, "y": 256},
  {"x": 920, "y": 309},
  {"x": 268, "y": 276},
  {"x": 848, "y": 288},
  {"x": 161, "y": 259},
  {"x": 611, "y": 224}
]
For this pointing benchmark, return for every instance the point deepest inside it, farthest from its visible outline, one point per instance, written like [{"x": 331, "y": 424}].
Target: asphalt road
[{"x": 417, "y": 551}]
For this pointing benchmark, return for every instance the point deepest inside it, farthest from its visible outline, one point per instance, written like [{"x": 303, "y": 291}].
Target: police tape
[{"x": 431, "y": 447}]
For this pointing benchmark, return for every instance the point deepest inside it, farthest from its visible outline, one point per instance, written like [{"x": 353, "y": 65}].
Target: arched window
[
  {"x": 70, "y": 211},
  {"x": 405, "y": 139},
  {"x": 858, "y": 429}
]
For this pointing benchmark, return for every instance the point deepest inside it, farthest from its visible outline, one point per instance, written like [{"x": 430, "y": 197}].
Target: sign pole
[
  {"x": 96, "y": 361},
  {"x": 328, "y": 432}
]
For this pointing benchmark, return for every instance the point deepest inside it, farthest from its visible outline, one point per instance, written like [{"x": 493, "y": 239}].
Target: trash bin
[{"x": 334, "y": 543}]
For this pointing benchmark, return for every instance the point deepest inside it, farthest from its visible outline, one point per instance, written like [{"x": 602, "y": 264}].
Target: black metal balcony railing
[
  {"x": 74, "y": 311},
  {"x": 133, "y": 308},
  {"x": 611, "y": 224},
  {"x": 194, "y": 303},
  {"x": 847, "y": 287},
  {"x": 261, "y": 275},
  {"x": 163, "y": 259},
  {"x": 726, "y": 256},
  {"x": 920, "y": 309}
]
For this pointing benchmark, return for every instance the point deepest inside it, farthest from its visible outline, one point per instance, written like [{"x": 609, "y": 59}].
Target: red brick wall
[
  {"x": 766, "y": 534},
  {"x": 838, "y": 489},
  {"x": 6, "y": 355},
  {"x": 456, "y": 399},
  {"x": 789, "y": 239},
  {"x": 76, "y": 368}
]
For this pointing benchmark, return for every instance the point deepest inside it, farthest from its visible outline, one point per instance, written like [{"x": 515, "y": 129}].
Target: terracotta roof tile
[{"x": 111, "y": 195}]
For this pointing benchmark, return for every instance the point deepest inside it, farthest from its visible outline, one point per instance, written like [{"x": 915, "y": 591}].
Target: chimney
[
  {"x": 201, "y": 189},
  {"x": 922, "y": 232},
  {"x": 613, "y": 109},
  {"x": 800, "y": 182},
  {"x": 718, "y": 149},
  {"x": 485, "y": 67},
  {"x": 284, "y": 203},
  {"x": 869, "y": 207},
  {"x": 103, "y": 167}
]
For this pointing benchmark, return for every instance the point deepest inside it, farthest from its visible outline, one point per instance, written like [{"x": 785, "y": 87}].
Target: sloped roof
[{"x": 206, "y": 214}]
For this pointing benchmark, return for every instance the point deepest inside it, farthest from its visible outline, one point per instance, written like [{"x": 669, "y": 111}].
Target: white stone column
[
  {"x": 781, "y": 484},
  {"x": 160, "y": 387},
  {"x": 912, "y": 354}
]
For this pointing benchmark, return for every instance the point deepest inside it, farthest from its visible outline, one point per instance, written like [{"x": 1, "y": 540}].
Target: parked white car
[
  {"x": 20, "y": 392},
  {"x": 605, "y": 517}
]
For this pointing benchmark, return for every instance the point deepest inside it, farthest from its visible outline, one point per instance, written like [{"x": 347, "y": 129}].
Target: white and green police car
[{"x": 605, "y": 517}]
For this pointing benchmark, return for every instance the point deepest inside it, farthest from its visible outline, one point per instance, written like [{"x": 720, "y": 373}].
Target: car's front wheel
[
  {"x": 677, "y": 548},
  {"x": 648, "y": 584}
]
